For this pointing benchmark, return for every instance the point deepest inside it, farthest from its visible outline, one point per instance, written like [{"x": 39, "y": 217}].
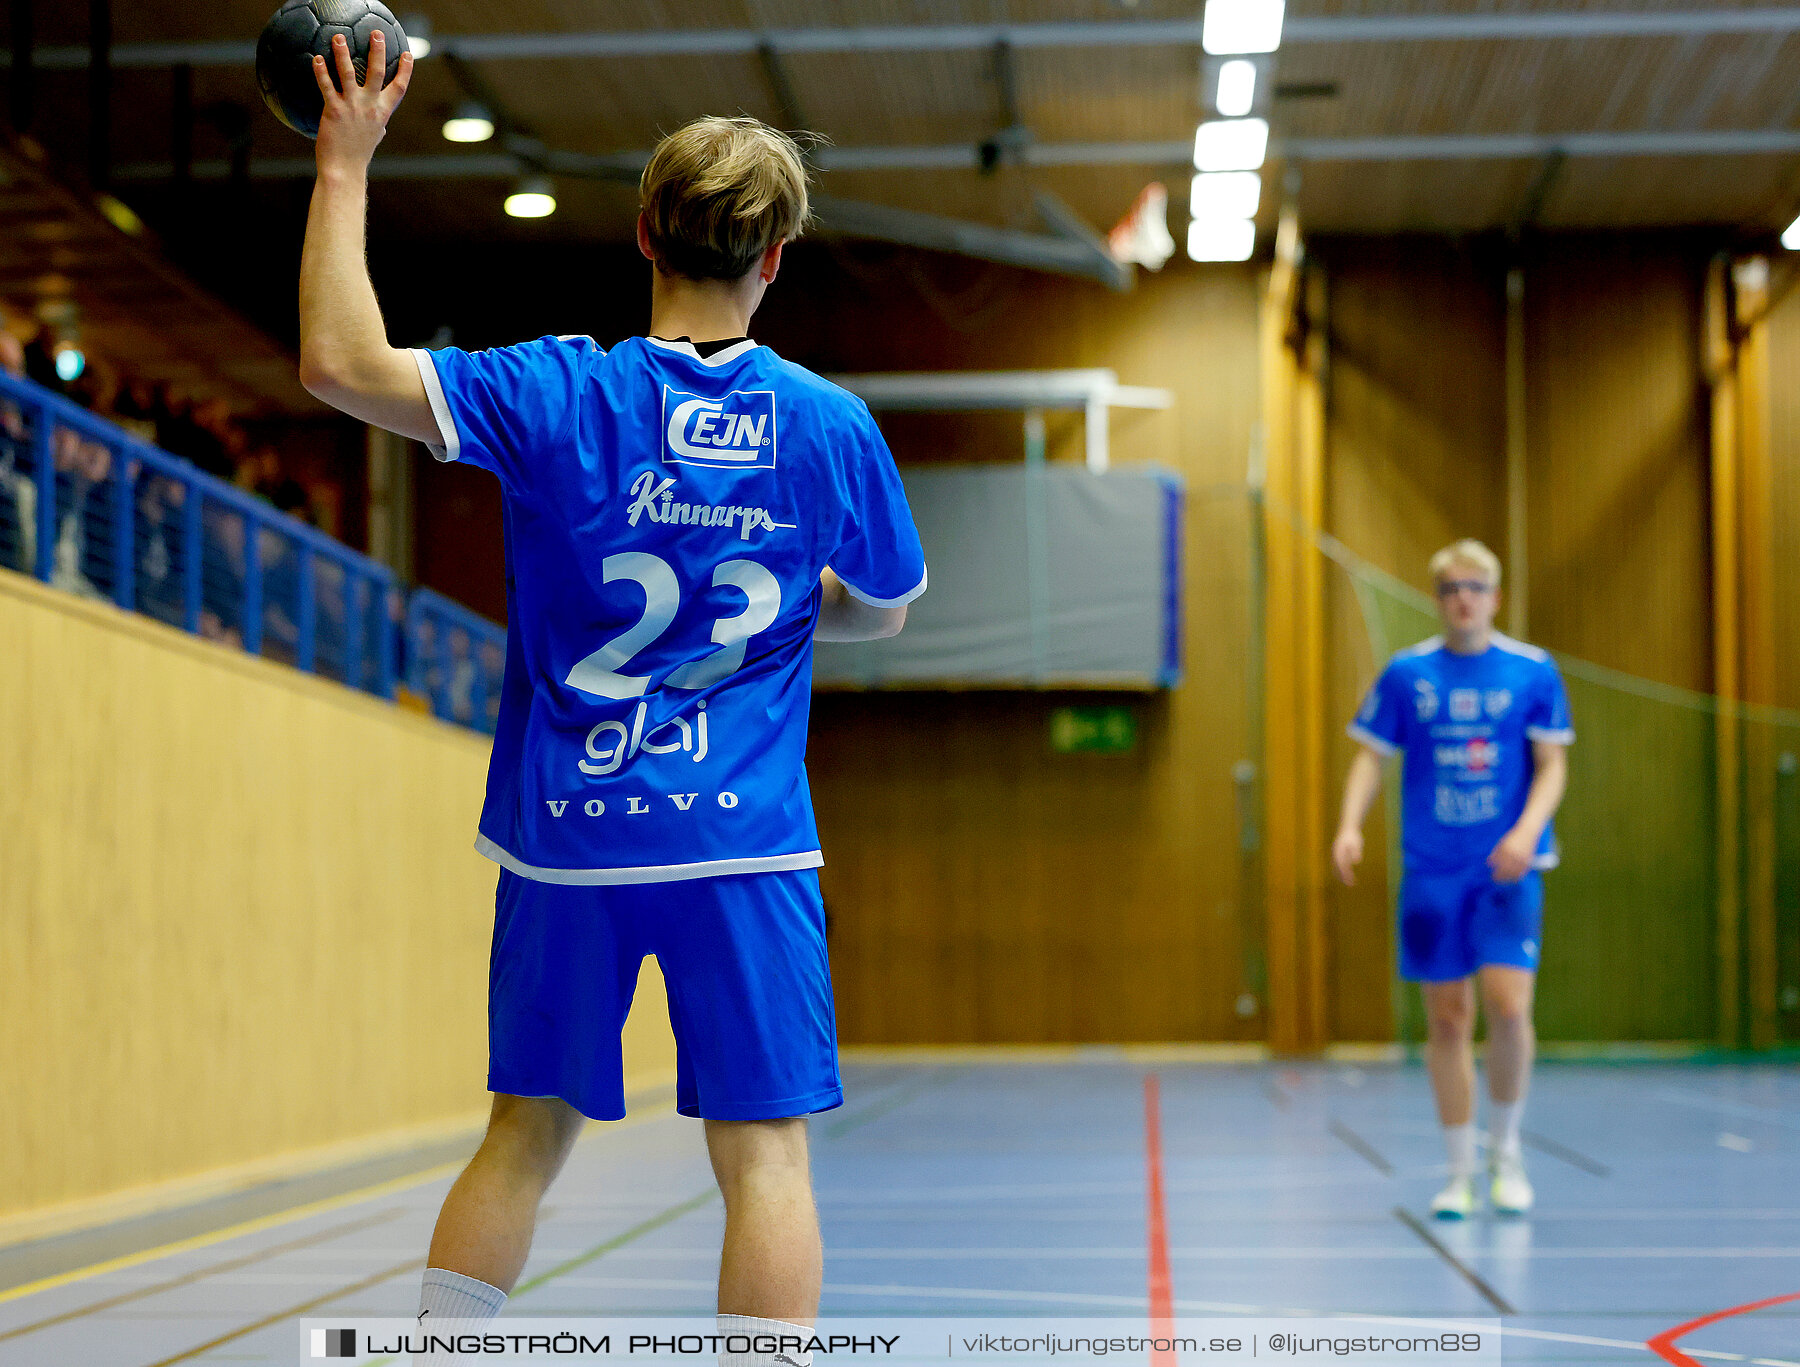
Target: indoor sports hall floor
[{"x": 1667, "y": 1192}]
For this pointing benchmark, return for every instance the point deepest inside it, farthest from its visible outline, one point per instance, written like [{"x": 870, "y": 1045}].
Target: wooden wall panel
[
  {"x": 981, "y": 888},
  {"x": 1784, "y": 422},
  {"x": 1618, "y": 455},
  {"x": 240, "y": 918},
  {"x": 1416, "y": 459}
]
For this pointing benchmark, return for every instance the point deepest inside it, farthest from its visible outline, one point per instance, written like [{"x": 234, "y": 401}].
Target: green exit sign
[{"x": 1093, "y": 730}]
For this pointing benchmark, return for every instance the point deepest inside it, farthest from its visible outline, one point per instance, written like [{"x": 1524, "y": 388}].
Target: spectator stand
[
  {"x": 89, "y": 508},
  {"x": 454, "y": 659}
]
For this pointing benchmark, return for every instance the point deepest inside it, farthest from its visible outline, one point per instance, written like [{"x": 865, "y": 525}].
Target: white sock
[
  {"x": 1504, "y": 1118},
  {"x": 761, "y": 1334},
  {"x": 1459, "y": 1143},
  {"x": 452, "y": 1296}
]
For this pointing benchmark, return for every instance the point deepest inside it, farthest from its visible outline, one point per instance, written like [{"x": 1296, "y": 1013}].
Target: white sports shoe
[
  {"x": 1456, "y": 1201},
  {"x": 1511, "y": 1190}
]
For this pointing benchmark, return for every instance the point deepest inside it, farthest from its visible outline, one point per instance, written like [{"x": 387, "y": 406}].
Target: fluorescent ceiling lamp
[
  {"x": 417, "y": 29},
  {"x": 1231, "y": 144},
  {"x": 470, "y": 123},
  {"x": 1234, "y": 26},
  {"x": 1221, "y": 239},
  {"x": 1791, "y": 237},
  {"x": 533, "y": 197},
  {"x": 1237, "y": 88},
  {"x": 1225, "y": 194}
]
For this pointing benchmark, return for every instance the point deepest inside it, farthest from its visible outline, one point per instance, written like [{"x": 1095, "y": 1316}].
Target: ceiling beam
[
  {"x": 1300, "y": 29},
  {"x": 625, "y": 166}
]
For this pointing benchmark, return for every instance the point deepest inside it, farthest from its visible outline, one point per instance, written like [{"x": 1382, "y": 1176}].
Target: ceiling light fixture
[
  {"x": 1237, "y": 88},
  {"x": 417, "y": 29},
  {"x": 471, "y": 122},
  {"x": 1231, "y": 144},
  {"x": 1790, "y": 238},
  {"x": 1221, "y": 239},
  {"x": 532, "y": 197},
  {"x": 1225, "y": 194},
  {"x": 1234, "y": 26}
]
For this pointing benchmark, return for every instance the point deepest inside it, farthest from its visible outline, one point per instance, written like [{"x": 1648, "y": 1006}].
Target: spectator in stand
[{"x": 18, "y": 492}]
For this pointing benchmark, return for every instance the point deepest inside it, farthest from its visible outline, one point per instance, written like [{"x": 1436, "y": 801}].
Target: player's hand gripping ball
[{"x": 303, "y": 29}]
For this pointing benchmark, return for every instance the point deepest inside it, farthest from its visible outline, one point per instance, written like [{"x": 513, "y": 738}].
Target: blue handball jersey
[
  {"x": 667, "y": 519},
  {"x": 1465, "y": 723}
]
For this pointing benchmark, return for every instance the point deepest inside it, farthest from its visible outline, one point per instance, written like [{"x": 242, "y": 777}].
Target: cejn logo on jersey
[{"x": 735, "y": 431}]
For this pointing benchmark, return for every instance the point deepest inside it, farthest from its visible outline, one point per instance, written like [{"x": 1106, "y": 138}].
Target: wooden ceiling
[
  {"x": 1382, "y": 130},
  {"x": 1388, "y": 90}
]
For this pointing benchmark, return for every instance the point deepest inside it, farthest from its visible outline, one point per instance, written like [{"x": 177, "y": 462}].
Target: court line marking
[
  {"x": 374, "y": 1278},
  {"x": 284, "y": 1217},
  {"x": 1161, "y": 1288},
  {"x": 1737, "y": 1109},
  {"x": 637, "y": 1231},
  {"x": 1574, "y": 1158},
  {"x": 891, "y": 1099},
  {"x": 201, "y": 1274},
  {"x": 1467, "y": 1273},
  {"x": 1362, "y": 1146},
  {"x": 1663, "y": 1344}
]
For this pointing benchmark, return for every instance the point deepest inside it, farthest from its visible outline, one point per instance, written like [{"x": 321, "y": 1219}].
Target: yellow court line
[{"x": 283, "y": 1217}]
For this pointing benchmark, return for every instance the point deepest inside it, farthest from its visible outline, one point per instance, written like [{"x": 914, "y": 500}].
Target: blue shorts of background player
[
  {"x": 748, "y": 978},
  {"x": 1452, "y": 924}
]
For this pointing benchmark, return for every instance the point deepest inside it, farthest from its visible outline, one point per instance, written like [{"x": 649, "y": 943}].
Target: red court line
[
  {"x": 1162, "y": 1287},
  {"x": 1663, "y": 1345}
]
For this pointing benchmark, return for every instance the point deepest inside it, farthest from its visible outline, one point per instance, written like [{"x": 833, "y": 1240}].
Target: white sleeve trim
[
  {"x": 874, "y": 602},
  {"x": 1367, "y": 737},
  {"x": 647, "y": 873},
  {"x": 440, "y": 408},
  {"x": 1566, "y": 736}
]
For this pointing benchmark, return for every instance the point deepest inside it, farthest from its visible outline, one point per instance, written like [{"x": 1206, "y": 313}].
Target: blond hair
[
  {"x": 720, "y": 192},
  {"x": 1468, "y": 551}
]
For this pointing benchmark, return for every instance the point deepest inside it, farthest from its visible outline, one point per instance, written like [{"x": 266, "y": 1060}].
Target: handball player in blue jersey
[
  {"x": 685, "y": 514},
  {"x": 1481, "y": 723}
]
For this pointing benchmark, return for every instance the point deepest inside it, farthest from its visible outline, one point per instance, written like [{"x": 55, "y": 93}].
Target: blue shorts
[
  {"x": 1454, "y": 923},
  {"x": 749, "y": 992}
]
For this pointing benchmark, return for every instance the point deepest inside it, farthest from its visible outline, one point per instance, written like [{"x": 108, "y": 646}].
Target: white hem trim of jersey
[
  {"x": 718, "y": 358},
  {"x": 899, "y": 602},
  {"x": 440, "y": 408},
  {"x": 1546, "y": 861},
  {"x": 1564, "y": 737},
  {"x": 1370, "y": 739},
  {"x": 648, "y": 873}
]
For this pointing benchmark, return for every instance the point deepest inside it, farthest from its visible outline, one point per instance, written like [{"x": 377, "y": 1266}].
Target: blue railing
[
  {"x": 454, "y": 657},
  {"x": 87, "y": 507}
]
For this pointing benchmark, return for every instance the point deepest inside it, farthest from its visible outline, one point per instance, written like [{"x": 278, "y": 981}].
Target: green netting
[{"x": 1631, "y": 945}]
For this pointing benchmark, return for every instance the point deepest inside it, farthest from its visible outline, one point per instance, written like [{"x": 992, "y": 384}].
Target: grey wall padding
[{"x": 1039, "y": 578}]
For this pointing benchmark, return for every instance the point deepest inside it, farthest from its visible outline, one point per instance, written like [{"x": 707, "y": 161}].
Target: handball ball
[{"x": 303, "y": 28}]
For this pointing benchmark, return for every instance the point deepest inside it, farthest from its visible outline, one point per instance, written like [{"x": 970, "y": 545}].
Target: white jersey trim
[
  {"x": 1513, "y": 646},
  {"x": 1363, "y": 735},
  {"x": 718, "y": 358},
  {"x": 440, "y": 408},
  {"x": 648, "y": 873},
  {"x": 873, "y": 602},
  {"x": 1566, "y": 736},
  {"x": 1547, "y": 861}
]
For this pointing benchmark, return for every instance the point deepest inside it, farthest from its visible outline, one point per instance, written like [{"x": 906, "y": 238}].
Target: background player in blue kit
[
  {"x": 685, "y": 515},
  {"x": 1483, "y": 724}
]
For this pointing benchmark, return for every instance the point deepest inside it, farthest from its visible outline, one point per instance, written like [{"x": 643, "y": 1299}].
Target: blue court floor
[{"x": 1666, "y": 1192}]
